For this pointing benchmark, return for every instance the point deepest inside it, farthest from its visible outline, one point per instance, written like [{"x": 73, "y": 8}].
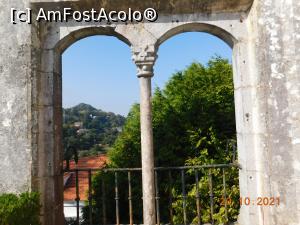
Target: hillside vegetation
[{"x": 88, "y": 130}]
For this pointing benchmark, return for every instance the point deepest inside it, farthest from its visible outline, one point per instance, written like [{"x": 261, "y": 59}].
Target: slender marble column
[
  {"x": 147, "y": 151},
  {"x": 145, "y": 61}
]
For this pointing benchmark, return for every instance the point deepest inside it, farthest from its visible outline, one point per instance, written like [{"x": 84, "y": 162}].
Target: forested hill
[{"x": 86, "y": 128}]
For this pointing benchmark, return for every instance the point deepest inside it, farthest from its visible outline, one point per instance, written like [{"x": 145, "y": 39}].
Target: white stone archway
[
  {"x": 144, "y": 49},
  {"x": 266, "y": 80}
]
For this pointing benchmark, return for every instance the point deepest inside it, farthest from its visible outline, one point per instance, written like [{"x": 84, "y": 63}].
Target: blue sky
[{"x": 98, "y": 70}]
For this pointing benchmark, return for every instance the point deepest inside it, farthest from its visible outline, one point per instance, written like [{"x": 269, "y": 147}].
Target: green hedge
[{"x": 23, "y": 209}]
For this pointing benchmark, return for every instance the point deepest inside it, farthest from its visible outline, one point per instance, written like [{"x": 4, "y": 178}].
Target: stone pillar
[
  {"x": 144, "y": 59},
  {"x": 15, "y": 119},
  {"x": 274, "y": 43}
]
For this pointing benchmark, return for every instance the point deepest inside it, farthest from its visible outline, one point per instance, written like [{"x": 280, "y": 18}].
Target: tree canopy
[{"x": 194, "y": 104}]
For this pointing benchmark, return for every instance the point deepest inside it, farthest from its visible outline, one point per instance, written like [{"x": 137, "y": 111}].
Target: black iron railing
[{"x": 186, "y": 175}]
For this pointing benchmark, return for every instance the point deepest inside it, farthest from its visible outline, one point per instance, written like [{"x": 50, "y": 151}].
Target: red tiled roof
[{"x": 90, "y": 162}]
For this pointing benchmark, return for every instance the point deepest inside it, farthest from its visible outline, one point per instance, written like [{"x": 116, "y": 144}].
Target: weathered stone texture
[
  {"x": 163, "y": 7},
  {"x": 15, "y": 69},
  {"x": 276, "y": 44}
]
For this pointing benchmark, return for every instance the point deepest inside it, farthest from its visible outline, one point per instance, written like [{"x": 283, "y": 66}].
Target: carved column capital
[{"x": 144, "y": 58}]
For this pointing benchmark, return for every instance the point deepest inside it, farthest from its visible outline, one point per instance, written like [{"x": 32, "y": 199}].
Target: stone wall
[
  {"x": 274, "y": 45},
  {"x": 15, "y": 113}
]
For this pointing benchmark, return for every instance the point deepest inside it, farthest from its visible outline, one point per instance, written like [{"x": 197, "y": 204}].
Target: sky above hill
[{"x": 98, "y": 70}]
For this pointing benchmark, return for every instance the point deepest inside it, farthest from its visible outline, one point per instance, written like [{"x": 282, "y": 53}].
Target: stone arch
[
  {"x": 48, "y": 163},
  {"x": 217, "y": 31},
  {"x": 238, "y": 53},
  {"x": 79, "y": 34}
]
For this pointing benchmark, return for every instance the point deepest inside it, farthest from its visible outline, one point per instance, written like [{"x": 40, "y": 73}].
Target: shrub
[{"x": 23, "y": 209}]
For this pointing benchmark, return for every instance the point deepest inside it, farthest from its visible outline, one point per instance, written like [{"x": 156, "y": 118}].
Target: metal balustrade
[{"x": 186, "y": 173}]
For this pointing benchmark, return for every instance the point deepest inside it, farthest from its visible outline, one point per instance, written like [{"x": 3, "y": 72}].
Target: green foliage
[
  {"x": 19, "y": 210},
  {"x": 95, "y": 150},
  {"x": 126, "y": 150},
  {"x": 232, "y": 196},
  {"x": 193, "y": 117}
]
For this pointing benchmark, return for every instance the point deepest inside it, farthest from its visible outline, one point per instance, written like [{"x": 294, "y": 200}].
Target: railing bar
[
  {"x": 130, "y": 199},
  {"x": 170, "y": 197},
  {"x": 157, "y": 199},
  {"x": 211, "y": 195},
  {"x": 77, "y": 196},
  {"x": 224, "y": 195},
  {"x": 199, "y": 167},
  {"x": 117, "y": 199},
  {"x": 103, "y": 203},
  {"x": 90, "y": 198},
  {"x": 159, "y": 168},
  {"x": 183, "y": 196},
  {"x": 106, "y": 170},
  {"x": 198, "y": 197}
]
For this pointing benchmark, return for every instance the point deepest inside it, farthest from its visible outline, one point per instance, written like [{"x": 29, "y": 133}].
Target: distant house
[
  {"x": 119, "y": 129},
  {"x": 82, "y": 131},
  {"x": 90, "y": 162},
  {"x": 78, "y": 125}
]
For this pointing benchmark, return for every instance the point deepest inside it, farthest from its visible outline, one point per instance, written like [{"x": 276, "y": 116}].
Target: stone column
[{"x": 144, "y": 58}]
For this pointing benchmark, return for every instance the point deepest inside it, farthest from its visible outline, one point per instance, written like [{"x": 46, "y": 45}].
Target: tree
[
  {"x": 198, "y": 98},
  {"x": 193, "y": 117}
]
